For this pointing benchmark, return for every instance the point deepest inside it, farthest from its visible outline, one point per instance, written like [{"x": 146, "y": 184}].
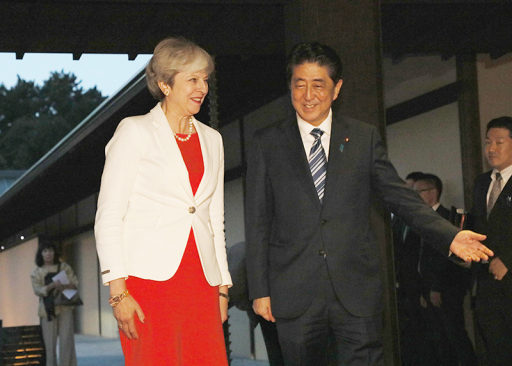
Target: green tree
[{"x": 34, "y": 118}]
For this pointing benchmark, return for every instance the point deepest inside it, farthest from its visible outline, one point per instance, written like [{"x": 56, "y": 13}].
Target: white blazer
[{"x": 146, "y": 207}]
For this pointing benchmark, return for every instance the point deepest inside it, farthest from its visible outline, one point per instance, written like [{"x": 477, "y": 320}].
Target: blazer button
[
  {"x": 321, "y": 253},
  {"x": 191, "y": 209},
  {"x": 323, "y": 222}
]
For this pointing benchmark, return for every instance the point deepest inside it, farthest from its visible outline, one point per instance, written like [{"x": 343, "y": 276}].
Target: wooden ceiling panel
[
  {"x": 446, "y": 29},
  {"x": 136, "y": 27}
]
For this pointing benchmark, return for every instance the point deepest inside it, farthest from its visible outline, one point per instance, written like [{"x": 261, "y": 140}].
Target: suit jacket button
[
  {"x": 191, "y": 209},
  {"x": 323, "y": 222},
  {"x": 321, "y": 253}
]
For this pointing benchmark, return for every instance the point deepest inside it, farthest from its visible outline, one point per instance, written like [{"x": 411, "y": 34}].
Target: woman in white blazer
[{"x": 160, "y": 220}]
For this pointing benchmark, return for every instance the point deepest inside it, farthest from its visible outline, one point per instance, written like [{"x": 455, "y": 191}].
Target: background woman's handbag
[
  {"x": 60, "y": 299},
  {"x": 57, "y": 297}
]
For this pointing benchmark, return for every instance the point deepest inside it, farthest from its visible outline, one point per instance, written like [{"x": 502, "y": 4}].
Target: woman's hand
[
  {"x": 59, "y": 286},
  {"x": 124, "y": 313},
  {"x": 223, "y": 304},
  {"x": 125, "y": 310},
  {"x": 55, "y": 284}
]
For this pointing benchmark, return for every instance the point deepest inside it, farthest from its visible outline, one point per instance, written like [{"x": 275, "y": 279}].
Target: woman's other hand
[
  {"x": 125, "y": 310},
  {"x": 59, "y": 286},
  {"x": 55, "y": 285},
  {"x": 223, "y": 304},
  {"x": 124, "y": 313}
]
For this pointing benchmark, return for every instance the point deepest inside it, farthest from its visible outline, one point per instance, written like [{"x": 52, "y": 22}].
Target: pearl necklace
[{"x": 190, "y": 130}]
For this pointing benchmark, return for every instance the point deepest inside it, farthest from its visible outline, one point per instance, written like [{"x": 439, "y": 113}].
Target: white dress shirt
[
  {"x": 307, "y": 138},
  {"x": 436, "y": 206}
]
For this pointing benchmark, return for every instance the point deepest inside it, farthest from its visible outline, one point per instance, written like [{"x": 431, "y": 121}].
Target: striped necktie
[{"x": 318, "y": 162}]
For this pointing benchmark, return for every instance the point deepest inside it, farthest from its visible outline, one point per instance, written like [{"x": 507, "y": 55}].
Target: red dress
[{"x": 183, "y": 324}]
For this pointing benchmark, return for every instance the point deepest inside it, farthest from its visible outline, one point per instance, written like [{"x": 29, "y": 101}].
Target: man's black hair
[
  {"x": 314, "y": 52},
  {"x": 501, "y": 122}
]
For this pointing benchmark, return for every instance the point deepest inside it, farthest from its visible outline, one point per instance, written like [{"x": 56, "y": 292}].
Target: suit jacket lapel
[
  {"x": 167, "y": 142},
  {"x": 481, "y": 190},
  {"x": 505, "y": 198},
  {"x": 337, "y": 153},
  {"x": 294, "y": 152}
]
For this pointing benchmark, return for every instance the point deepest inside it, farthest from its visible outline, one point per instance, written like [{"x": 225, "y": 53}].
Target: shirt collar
[
  {"x": 306, "y": 128},
  {"x": 436, "y": 206},
  {"x": 505, "y": 174}
]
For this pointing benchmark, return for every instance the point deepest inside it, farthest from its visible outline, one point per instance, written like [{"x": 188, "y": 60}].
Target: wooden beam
[
  {"x": 424, "y": 103},
  {"x": 469, "y": 119}
]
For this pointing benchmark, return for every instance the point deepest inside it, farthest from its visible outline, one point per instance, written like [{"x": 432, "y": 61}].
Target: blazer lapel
[
  {"x": 337, "y": 151},
  {"x": 207, "y": 152},
  {"x": 481, "y": 189},
  {"x": 167, "y": 142},
  {"x": 294, "y": 152},
  {"x": 504, "y": 199}
]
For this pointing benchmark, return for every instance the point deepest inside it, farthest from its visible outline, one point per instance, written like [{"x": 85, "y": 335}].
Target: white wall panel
[
  {"x": 494, "y": 90},
  {"x": 430, "y": 143},
  {"x": 18, "y": 303}
]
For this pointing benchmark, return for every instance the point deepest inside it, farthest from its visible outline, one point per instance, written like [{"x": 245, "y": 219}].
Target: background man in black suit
[
  {"x": 444, "y": 285},
  {"x": 415, "y": 348},
  {"x": 494, "y": 294},
  {"x": 312, "y": 258},
  {"x": 407, "y": 245}
]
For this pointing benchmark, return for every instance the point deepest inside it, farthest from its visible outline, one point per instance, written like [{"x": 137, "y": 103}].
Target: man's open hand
[{"x": 466, "y": 245}]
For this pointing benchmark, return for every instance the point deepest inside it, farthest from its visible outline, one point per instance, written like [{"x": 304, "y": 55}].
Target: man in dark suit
[
  {"x": 493, "y": 214},
  {"x": 444, "y": 285},
  {"x": 407, "y": 245},
  {"x": 415, "y": 349},
  {"x": 313, "y": 261}
]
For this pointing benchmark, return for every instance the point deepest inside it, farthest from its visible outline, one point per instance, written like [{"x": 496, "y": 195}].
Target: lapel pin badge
[
  {"x": 508, "y": 201},
  {"x": 342, "y": 146}
]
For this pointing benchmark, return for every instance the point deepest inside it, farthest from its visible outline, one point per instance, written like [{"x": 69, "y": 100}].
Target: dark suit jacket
[
  {"x": 290, "y": 234},
  {"x": 498, "y": 229},
  {"x": 407, "y": 247},
  {"x": 439, "y": 273}
]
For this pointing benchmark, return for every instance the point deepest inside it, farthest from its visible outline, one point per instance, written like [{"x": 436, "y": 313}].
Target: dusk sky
[{"x": 107, "y": 72}]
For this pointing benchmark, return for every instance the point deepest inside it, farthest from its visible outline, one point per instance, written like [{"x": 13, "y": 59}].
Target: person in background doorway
[
  {"x": 492, "y": 213},
  {"x": 56, "y": 320},
  {"x": 416, "y": 348},
  {"x": 444, "y": 285}
]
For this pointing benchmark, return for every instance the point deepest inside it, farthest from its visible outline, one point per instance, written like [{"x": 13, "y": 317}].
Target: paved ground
[{"x": 99, "y": 351}]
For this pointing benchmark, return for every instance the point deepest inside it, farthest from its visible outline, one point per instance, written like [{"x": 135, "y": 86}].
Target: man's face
[
  {"x": 427, "y": 192},
  {"x": 313, "y": 92},
  {"x": 498, "y": 148}
]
